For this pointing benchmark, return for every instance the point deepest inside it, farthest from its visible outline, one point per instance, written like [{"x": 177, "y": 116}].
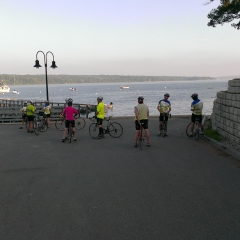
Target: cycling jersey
[
  {"x": 164, "y": 105},
  {"x": 143, "y": 111},
  {"x": 30, "y": 109},
  {"x": 69, "y": 112},
  {"x": 100, "y": 110},
  {"x": 197, "y": 106},
  {"x": 47, "y": 109}
]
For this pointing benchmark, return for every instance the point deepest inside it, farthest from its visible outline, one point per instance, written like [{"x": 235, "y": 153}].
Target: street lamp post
[{"x": 37, "y": 65}]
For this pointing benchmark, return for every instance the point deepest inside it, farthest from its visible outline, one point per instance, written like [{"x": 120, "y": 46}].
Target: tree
[{"x": 226, "y": 12}]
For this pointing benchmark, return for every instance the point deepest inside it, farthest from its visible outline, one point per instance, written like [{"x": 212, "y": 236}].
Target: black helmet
[
  {"x": 194, "y": 96},
  {"x": 140, "y": 98},
  {"x": 69, "y": 102},
  {"x": 166, "y": 95}
]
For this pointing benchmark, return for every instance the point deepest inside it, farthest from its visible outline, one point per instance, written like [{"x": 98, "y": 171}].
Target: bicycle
[
  {"x": 196, "y": 129},
  {"x": 114, "y": 129},
  {"x": 79, "y": 123},
  {"x": 70, "y": 133},
  {"x": 164, "y": 125},
  {"x": 39, "y": 125}
]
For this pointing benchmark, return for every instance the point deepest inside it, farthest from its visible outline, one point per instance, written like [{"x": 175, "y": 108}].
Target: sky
[{"x": 116, "y": 37}]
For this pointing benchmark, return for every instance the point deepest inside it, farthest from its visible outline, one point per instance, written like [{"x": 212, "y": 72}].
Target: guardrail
[{"x": 10, "y": 110}]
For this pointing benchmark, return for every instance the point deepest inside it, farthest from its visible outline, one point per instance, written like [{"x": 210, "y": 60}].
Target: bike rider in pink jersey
[{"x": 69, "y": 112}]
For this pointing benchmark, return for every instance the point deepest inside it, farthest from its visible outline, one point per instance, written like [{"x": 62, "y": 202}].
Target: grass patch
[
  {"x": 209, "y": 132},
  {"x": 213, "y": 134}
]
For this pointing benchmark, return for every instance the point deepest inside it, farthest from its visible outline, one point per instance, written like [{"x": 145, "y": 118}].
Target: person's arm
[{"x": 136, "y": 114}]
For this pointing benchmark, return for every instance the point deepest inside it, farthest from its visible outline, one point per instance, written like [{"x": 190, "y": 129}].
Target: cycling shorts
[
  {"x": 48, "y": 115},
  {"x": 67, "y": 123},
  {"x": 161, "y": 117},
  {"x": 195, "y": 118},
  {"x": 144, "y": 124},
  {"x": 30, "y": 118},
  {"x": 24, "y": 116},
  {"x": 99, "y": 121}
]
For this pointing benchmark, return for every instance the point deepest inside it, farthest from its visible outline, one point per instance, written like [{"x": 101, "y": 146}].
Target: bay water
[{"x": 124, "y": 100}]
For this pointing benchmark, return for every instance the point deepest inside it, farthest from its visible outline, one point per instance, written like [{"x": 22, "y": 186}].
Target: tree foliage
[{"x": 226, "y": 12}]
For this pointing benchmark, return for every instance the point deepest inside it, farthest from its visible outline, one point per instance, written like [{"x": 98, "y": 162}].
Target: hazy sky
[{"x": 124, "y": 37}]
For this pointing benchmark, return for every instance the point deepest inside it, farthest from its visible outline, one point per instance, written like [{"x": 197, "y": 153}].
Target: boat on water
[
  {"x": 15, "y": 92},
  {"x": 4, "y": 88},
  {"x": 72, "y": 89},
  {"x": 124, "y": 87}
]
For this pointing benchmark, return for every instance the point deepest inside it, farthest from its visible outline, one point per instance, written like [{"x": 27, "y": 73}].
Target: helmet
[
  {"x": 140, "y": 98},
  {"x": 69, "y": 102},
  {"x": 194, "y": 96},
  {"x": 100, "y": 98},
  {"x": 25, "y": 102},
  {"x": 166, "y": 95},
  {"x": 111, "y": 103}
]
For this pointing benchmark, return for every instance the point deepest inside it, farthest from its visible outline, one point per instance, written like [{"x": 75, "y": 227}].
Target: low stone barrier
[{"x": 226, "y": 113}]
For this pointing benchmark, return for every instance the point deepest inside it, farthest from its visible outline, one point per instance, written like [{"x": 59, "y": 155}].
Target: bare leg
[
  {"x": 147, "y": 136},
  {"x": 136, "y": 136}
]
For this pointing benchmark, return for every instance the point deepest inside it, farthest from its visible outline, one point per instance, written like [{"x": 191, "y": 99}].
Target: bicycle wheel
[
  {"x": 42, "y": 125},
  {"x": 60, "y": 124},
  {"x": 115, "y": 130},
  {"x": 188, "y": 130},
  {"x": 26, "y": 122},
  {"x": 80, "y": 123},
  {"x": 70, "y": 134},
  {"x": 196, "y": 131},
  {"x": 93, "y": 130},
  {"x": 163, "y": 128},
  {"x": 36, "y": 127}
]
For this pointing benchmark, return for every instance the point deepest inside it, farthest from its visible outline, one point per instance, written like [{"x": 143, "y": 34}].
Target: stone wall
[{"x": 226, "y": 112}]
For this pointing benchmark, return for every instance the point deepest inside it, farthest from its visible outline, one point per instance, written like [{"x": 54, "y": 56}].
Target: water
[{"x": 124, "y": 100}]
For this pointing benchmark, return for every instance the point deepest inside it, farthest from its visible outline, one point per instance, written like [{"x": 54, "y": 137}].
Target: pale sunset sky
[{"x": 122, "y": 37}]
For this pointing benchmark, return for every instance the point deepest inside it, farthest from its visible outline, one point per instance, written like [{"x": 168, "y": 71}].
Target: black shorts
[
  {"x": 195, "y": 118},
  {"x": 48, "y": 115},
  {"x": 67, "y": 123},
  {"x": 24, "y": 116},
  {"x": 161, "y": 117},
  {"x": 30, "y": 118},
  {"x": 99, "y": 121},
  {"x": 144, "y": 124}
]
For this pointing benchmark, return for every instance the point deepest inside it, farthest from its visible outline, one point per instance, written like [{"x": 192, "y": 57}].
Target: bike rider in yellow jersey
[
  {"x": 30, "y": 109},
  {"x": 100, "y": 116},
  {"x": 196, "y": 108},
  {"x": 164, "y": 107},
  {"x": 47, "y": 112},
  {"x": 141, "y": 117}
]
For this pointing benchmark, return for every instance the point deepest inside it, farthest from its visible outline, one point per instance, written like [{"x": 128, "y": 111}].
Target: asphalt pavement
[{"x": 104, "y": 189}]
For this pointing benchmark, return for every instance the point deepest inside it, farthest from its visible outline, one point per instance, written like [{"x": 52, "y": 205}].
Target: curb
[{"x": 223, "y": 147}]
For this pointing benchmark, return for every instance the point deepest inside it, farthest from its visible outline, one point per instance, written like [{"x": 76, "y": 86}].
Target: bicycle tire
[
  {"x": 26, "y": 122},
  {"x": 163, "y": 128},
  {"x": 70, "y": 134},
  {"x": 188, "y": 130},
  {"x": 42, "y": 125},
  {"x": 60, "y": 124},
  {"x": 196, "y": 131},
  {"x": 35, "y": 127},
  {"x": 80, "y": 123},
  {"x": 93, "y": 130},
  {"x": 115, "y": 130}
]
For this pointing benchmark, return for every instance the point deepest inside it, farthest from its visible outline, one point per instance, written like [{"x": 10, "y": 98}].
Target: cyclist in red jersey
[{"x": 69, "y": 112}]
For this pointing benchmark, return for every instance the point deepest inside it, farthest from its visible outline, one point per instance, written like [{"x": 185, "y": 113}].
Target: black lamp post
[{"x": 37, "y": 65}]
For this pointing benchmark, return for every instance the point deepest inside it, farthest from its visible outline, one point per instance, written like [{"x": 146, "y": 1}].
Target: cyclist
[
  {"x": 23, "y": 113},
  {"x": 141, "y": 117},
  {"x": 196, "y": 108},
  {"x": 69, "y": 112},
  {"x": 30, "y": 109},
  {"x": 100, "y": 116},
  {"x": 47, "y": 112},
  {"x": 164, "y": 107}
]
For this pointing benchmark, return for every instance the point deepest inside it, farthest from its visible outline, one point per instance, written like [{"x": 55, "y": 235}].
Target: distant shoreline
[{"x": 11, "y": 79}]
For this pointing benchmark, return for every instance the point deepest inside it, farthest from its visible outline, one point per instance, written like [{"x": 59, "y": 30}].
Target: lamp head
[
  {"x": 37, "y": 65},
  {"x": 53, "y": 65}
]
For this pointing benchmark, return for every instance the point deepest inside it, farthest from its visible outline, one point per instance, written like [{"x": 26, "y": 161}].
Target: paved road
[{"x": 106, "y": 189}]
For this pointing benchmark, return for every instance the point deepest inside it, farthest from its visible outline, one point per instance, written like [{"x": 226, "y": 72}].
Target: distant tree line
[{"x": 11, "y": 79}]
